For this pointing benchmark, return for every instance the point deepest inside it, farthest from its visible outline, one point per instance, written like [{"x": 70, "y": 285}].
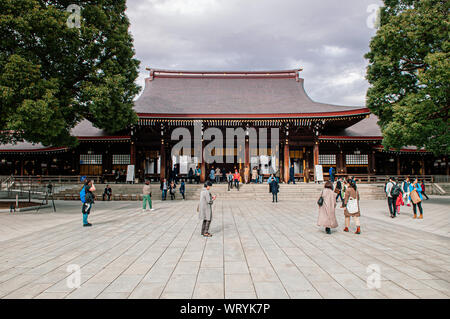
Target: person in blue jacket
[
  {"x": 182, "y": 188},
  {"x": 416, "y": 186}
]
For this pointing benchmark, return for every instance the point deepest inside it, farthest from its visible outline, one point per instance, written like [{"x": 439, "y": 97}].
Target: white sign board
[
  {"x": 130, "y": 173},
  {"x": 318, "y": 173}
]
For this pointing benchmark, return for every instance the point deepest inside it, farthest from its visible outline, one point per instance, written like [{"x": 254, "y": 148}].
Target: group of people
[
  {"x": 350, "y": 202},
  {"x": 406, "y": 192},
  {"x": 170, "y": 186}
]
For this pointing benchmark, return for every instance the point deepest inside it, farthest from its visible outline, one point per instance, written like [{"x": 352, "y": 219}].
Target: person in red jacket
[
  {"x": 236, "y": 178},
  {"x": 399, "y": 202},
  {"x": 422, "y": 184}
]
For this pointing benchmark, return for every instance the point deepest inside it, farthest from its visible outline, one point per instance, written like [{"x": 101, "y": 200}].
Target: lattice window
[
  {"x": 357, "y": 159},
  {"x": 90, "y": 159},
  {"x": 121, "y": 159},
  {"x": 327, "y": 159}
]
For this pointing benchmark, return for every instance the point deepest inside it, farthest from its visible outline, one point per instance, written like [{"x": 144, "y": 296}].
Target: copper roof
[{"x": 232, "y": 92}]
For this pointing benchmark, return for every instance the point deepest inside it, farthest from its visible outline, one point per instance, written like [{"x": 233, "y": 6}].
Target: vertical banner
[{"x": 130, "y": 174}]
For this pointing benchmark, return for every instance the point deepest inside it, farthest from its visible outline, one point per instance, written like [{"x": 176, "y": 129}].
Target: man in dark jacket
[
  {"x": 274, "y": 188},
  {"x": 291, "y": 174},
  {"x": 339, "y": 188}
]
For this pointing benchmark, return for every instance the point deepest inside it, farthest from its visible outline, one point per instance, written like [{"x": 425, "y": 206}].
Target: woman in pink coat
[{"x": 327, "y": 216}]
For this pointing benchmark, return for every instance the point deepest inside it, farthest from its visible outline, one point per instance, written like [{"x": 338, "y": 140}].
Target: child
[{"x": 399, "y": 202}]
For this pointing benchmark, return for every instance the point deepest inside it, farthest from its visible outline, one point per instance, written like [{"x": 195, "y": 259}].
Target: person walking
[
  {"x": 205, "y": 208},
  {"x": 399, "y": 202},
  {"x": 338, "y": 189},
  {"x": 351, "y": 204},
  {"x": 146, "y": 196},
  {"x": 198, "y": 172},
  {"x": 88, "y": 196},
  {"x": 422, "y": 185},
  {"x": 291, "y": 174},
  {"x": 230, "y": 180},
  {"x": 392, "y": 192},
  {"x": 172, "y": 188},
  {"x": 331, "y": 172},
  {"x": 236, "y": 178},
  {"x": 274, "y": 188},
  {"x": 405, "y": 191},
  {"x": 327, "y": 211},
  {"x": 182, "y": 188},
  {"x": 415, "y": 193},
  {"x": 107, "y": 193},
  {"x": 164, "y": 189}
]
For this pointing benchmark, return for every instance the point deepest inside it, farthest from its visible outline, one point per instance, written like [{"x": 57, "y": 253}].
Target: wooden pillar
[
  {"x": 373, "y": 163},
  {"x": 247, "y": 152},
  {"x": 316, "y": 152},
  {"x": 398, "y": 164},
  {"x": 286, "y": 161},
  {"x": 422, "y": 166},
  {"x": 203, "y": 164},
  {"x": 340, "y": 163},
  {"x": 162, "y": 170},
  {"x": 132, "y": 154}
]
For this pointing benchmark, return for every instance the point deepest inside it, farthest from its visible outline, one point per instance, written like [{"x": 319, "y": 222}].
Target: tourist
[
  {"x": 117, "y": 176},
  {"x": 172, "y": 187},
  {"x": 422, "y": 185},
  {"x": 190, "y": 175},
  {"x": 260, "y": 175},
  {"x": 107, "y": 193},
  {"x": 351, "y": 204},
  {"x": 212, "y": 174},
  {"x": 331, "y": 172},
  {"x": 254, "y": 175},
  {"x": 338, "y": 189},
  {"x": 163, "y": 189},
  {"x": 246, "y": 174},
  {"x": 291, "y": 174},
  {"x": 224, "y": 175},
  {"x": 415, "y": 194},
  {"x": 327, "y": 211},
  {"x": 236, "y": 178},
  {"x": 230, "y": 180},
  {"x": 146, "y": 196},
  {"x": 274, "y": 188},
  {"x": 392, "y": 192},
  {"x": 205, "y": 208},
  {"x": 182, "y": 188},
  {"x": 218, "y": 174},
  {"x": 405, "y": 190},
  {"x": 198, "y": 172},
  {"x": 88, "y": 195},
  {"x": 399, "y": 202}
]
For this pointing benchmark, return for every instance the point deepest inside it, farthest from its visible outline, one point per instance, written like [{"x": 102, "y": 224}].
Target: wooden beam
[{"x": 286, "y": 161}]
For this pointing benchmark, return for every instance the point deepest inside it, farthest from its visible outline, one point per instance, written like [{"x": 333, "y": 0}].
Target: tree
[
  {"x": 53, "y": 74},
  {"x": 409, "y": 73}
]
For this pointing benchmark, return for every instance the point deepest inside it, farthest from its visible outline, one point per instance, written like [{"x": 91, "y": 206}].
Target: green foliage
[
  {"x": 53, "y": 76},
  {"x": 409, "y": 73}
]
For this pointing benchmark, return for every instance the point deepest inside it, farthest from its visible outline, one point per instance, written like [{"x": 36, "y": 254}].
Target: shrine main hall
[{"x": 309, "y": 133}]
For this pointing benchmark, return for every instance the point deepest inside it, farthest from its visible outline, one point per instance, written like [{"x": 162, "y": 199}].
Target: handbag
[
  {"x": 320, "y": 201},
  {"x": 352, "y": 205},
  {"x": 415, "y": 198}
]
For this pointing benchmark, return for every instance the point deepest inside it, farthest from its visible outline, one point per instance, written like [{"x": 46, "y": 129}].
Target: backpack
[
  {"x": 83, "y": 195},
  {"x": 395, "y": 191}
]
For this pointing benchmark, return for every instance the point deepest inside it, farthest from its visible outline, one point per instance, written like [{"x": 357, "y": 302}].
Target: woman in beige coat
[
  {"x": 353, "y": 193},
  {"x": 327, "y": 212}
]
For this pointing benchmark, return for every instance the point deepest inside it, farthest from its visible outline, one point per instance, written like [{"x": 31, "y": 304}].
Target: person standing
[
  {"x": 182, "y": 188},
  {"x": 422, "y": 185},
  {"x": 254, "y": 175},
  {"x": 291, "y": 174},
  {"x": 205, "y": 208},
  {"x": 230, "y": 180},
  {"x": 353, "y": 210},
  {"x": 260, "y": 176},
  {"x": 218, "y": 175},
  {"x": 146, "y": 196},
  {"x": 107, "y": 193},
  {"x": 331, "y": 172},
  {"x": 327, "y": 211},
  {"x": 89, "y": 188},
  {"x": 163, "y": 189},
  {"x": 274, "y": 188},
  {"x": 392, "y": 191},
  {"x": 338, "y": 189},
  {"x": 198, "y": 172},
  {"x": 415, "y": 193},
  {"x": 246, "y": 174},
  {"x": 190, "y": 175},
  {"x": 212, "y": 174},
  {"x": 405, "y": 189},
  {"x": 172, "y": 188},
  {"x": 399, "y": 202},
  {"x": 236, "y": 178}
]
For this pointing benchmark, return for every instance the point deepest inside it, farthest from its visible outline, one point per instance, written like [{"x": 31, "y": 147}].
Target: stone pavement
[{"x": 259, "y": 250}]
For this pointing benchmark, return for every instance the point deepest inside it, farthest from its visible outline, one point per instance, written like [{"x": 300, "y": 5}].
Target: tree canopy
[
  {"x": 409, "y": 74},
  {"x": 53, "y": 74}
]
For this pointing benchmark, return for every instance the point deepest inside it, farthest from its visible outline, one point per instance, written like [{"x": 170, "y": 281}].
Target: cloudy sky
[{"x": 327, "y": 38}]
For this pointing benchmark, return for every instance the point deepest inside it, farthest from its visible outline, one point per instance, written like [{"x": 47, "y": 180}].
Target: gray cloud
[{"x": 327, "y": 38}]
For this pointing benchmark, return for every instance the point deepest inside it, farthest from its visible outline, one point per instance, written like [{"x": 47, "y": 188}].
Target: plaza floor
[{"x": 258, "y": 250}]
